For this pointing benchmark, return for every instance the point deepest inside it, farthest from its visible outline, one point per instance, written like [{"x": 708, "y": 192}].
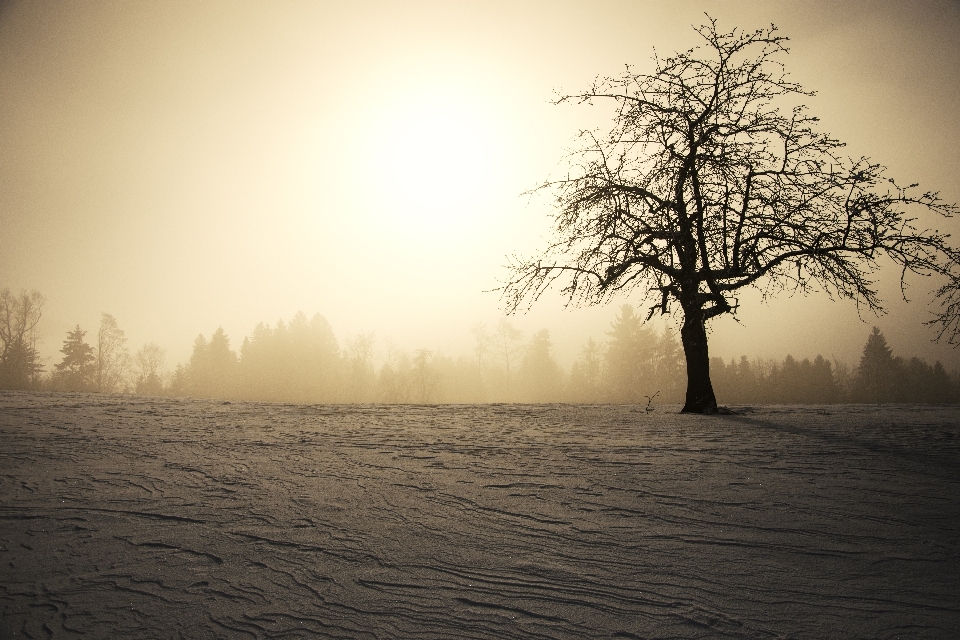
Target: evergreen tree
[
  {"x": 213, "y": 368},
  {"x": 180, "y": 381},
  {"x": 875, "y": 375},
  {"x": 585, "y": 375},
  {"x": 746, "y": 382},
  {"x": 670, "y": 368},
  {"x": 76, "y": 371},
  {"x": 940, "y": 388},
  {"x": 723, "y": 382},
  {"x": 540, "y": 375},
  {"x": 823, "y": 384},
  {"x": 20, "y": 367},
  {"x": 629, "y": 363},
  {"x": 223, "y": 365},
  {"x": 257, "y": 354},
  {"x": 295, "y": 362}
]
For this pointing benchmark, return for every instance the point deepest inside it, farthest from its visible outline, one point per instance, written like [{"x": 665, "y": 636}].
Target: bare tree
[
  {"x": 19, "y": 361},
  {"x": 112, "y": 357},
  {"x": 426, "y": 379},
  {"x": 149, "y": 361},
  {"x": 361, "y": 377},
  {"x": 713, "y": 178}
]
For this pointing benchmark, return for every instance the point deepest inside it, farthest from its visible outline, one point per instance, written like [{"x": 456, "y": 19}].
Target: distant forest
[{"x": 301, "y": 360}]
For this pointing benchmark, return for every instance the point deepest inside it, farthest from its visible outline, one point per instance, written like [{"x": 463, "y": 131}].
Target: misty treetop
[
  {"x": 101, "y": 368},
  {"x": 148, "y": 370},
  {"x": 879, "y": 378},
  {"x": 301, "y": 361},
  {"x": 714, "y": 177},
  {"x": 75, "y": 371}
]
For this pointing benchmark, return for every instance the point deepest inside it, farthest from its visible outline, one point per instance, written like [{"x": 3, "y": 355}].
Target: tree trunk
[{"x": 693, "y": 335}]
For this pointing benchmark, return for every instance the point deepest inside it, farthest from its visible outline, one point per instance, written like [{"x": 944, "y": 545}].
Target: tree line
[
  {"x": 879, "y": 378},
  {"x": 301, "y": 360}
]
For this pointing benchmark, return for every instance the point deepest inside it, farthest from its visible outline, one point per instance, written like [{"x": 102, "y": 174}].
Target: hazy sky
[{"x": 184, "y": 165}]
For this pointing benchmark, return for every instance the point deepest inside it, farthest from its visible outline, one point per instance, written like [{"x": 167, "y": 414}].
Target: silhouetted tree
[
  {"x": 20, "y": 365},
  {"x": 713, "y": 178},
  {"x": 823, "y": 384},
  {"x": 76, "y": 371},
  {"x": 787, "y": 382},
  {"x": 876, "y": 373},
  {"x": 914, "y": 380},
  {"x": 939, "y": 387}
]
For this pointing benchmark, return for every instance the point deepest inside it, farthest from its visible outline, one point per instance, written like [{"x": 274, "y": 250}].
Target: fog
[{"x": 186, "y": 166}]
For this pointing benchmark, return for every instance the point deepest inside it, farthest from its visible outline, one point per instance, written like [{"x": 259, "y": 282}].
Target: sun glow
[{"x": 433, "y": 160}]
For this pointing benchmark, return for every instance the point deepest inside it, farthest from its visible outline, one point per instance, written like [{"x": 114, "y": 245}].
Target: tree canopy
[{"x": 715, "y": 177}]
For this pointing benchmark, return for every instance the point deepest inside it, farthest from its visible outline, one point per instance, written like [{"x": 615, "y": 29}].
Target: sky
[{"x": 189, "y": 165}]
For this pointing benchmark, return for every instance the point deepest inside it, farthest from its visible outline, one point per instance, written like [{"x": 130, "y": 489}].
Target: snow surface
[{"x": 130, "y": 517}]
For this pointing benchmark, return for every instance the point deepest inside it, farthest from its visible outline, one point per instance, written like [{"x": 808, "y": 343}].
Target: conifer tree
[
  {"x": 875, "y": 375},
  {"x": 670, "y": 376},
  {"x": 629, "y": 362},
  {"x": 540, "y": 375},
  {"x": 213, "y": 367},
  {"x": 20, "y": 367},
  {"x": 585, "y": 375},
  {"x": 76, "y": 371},
  {"x": 824, "y": 387}
]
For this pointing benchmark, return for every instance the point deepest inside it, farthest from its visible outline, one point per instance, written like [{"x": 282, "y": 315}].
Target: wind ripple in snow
[{"x": 142, "y": 518}]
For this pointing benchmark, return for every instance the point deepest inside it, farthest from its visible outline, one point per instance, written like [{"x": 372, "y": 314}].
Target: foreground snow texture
[{"x": 149, "y": 518}]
